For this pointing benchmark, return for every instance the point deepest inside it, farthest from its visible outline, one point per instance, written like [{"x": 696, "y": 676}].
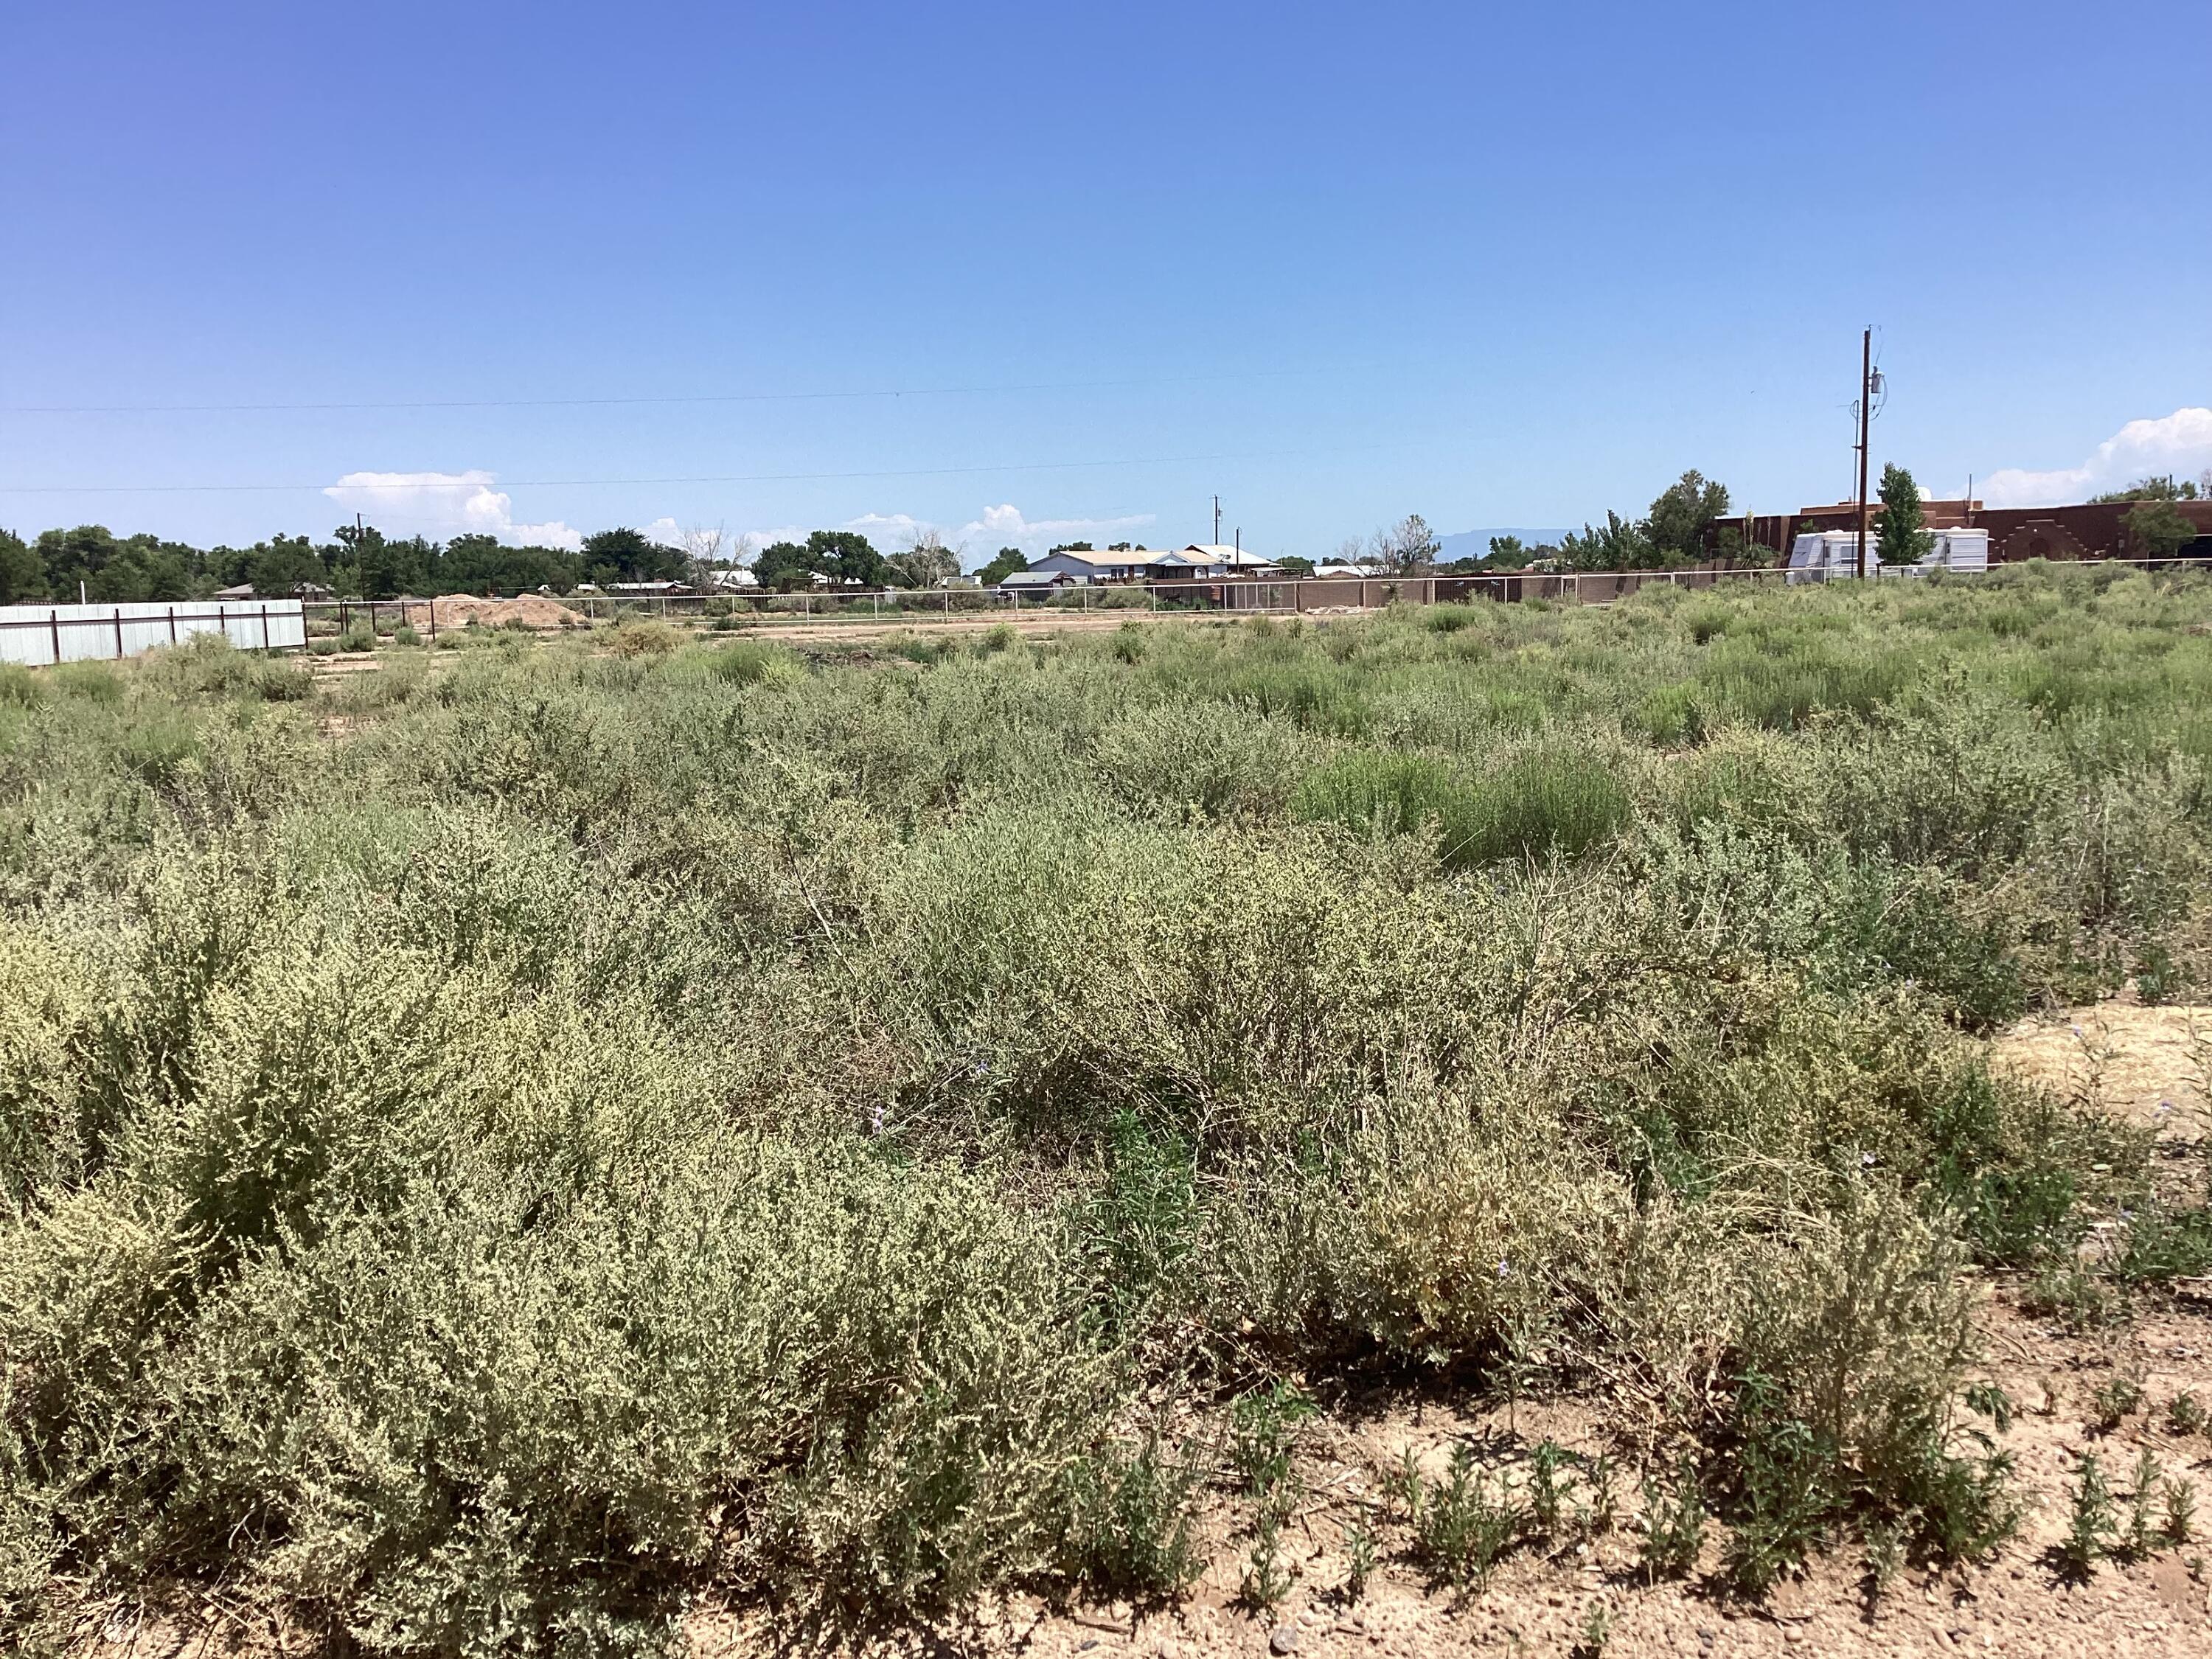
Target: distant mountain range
[{"x": 1475, "y": 544}]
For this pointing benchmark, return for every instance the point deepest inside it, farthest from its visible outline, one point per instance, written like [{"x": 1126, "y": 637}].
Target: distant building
[
  {"x": 296, "y": 590},
  {"x": 2087, "y": 530},
  {"x": 1196, "y": 563}
]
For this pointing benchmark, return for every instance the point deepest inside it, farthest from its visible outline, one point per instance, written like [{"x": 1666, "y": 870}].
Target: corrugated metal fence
[{"x": 40, "y": 635}]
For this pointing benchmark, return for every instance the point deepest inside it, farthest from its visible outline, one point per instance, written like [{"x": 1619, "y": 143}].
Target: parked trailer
[
  {"x": 1832, "y": 555},
  {"x": 39, "y": 635}
]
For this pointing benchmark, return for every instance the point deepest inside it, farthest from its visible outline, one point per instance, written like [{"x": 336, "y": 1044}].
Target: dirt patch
[
  {"x": 2147, "y": 1065},
  {"x": 923, "y": 627},
  {"x": 2128, "y": 1058}
]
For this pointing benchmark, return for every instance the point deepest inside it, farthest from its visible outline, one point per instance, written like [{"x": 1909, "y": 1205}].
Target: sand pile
[{"x": 531, "y": 610}]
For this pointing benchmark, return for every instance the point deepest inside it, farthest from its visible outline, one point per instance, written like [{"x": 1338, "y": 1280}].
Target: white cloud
[
  {"x": 2180, "y": 443},
  {"x": 994, "y": 527},
  {"x": 447, "y": 504}
]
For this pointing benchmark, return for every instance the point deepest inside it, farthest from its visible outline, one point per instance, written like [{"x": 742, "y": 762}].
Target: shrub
[
  {"x": 647, "y": 638},
  {"x": 19, "y": 687},
  {"x": 574, "y": 1136},
  {"x": 1546, "y": 802},
  {"x": 749, "y": 662},
  {"x": 1385, "y": 794}
]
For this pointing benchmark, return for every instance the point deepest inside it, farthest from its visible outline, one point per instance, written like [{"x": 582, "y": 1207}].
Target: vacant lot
[{"x": 1496, "y": 1124}]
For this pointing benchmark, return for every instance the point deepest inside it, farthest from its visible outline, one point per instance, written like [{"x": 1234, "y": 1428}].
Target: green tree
[
  {"x": 22, "y": 571},
  {"x": 131, "y": 570},
  {"x": 847, "y": 556},
  {"x": 480, "y": 563},
  {"x": 1290, "y": 561},
  {"x": 783, "y": 566},
  {"x": 285, "y": 565},
  {"x": 1506, "y": 553},
  {"x": 2159, "y": 529},
  {"x": 1901, "y": 527},
  {"x": 367, "y": 565},
  {"x": 1619, "y": 544},
  {"x": 1003, "y": 564},
  {"x": 631, "y": 555},
  {"x": 1681, "y": 516},
  {"x": 2152, "y": 489}
]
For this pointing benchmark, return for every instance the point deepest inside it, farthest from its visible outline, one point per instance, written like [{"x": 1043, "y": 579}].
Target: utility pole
[
  {"x": 1217, "y": 520},
  {"x": 1866, "y": 414}
]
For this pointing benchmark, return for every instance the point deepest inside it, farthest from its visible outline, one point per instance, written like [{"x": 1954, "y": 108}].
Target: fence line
[
  {"x": 1289, "y": 596},
  {"x": 39, "y": 635},
  {"x": 42, "y": 634}
]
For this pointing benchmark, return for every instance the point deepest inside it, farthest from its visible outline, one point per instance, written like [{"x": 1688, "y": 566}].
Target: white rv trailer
[{"x": 1830, "y": 555}]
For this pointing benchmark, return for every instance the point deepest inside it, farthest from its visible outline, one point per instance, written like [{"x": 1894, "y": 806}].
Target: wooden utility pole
[{"x": 1866, "y": 414}]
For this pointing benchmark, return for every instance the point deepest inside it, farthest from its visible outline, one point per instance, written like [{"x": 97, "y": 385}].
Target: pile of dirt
[{"x": 459, "y": 610}]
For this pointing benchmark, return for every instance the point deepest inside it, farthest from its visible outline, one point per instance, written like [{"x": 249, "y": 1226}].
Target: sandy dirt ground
[
  {"x": 797, "y": 632},
  {"x": 1042, "y": 622},
  {"x": 2131, "y": 1060}
]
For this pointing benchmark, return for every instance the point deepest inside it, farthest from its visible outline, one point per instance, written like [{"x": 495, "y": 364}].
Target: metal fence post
[
  {"x": 55, "y": 621},
  {"x": 118, "y": 633},
  {"x": 264, "y": 626}
]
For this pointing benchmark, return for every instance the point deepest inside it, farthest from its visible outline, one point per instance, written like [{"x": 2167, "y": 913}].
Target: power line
[
  {"x": 704, "y": 397},
  {"x": 448, "y": 480}
]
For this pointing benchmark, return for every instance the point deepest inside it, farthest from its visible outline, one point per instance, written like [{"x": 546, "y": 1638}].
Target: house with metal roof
[
  {"x": 1196, "y": 563},
  {"x": 1034, "y": 580}
]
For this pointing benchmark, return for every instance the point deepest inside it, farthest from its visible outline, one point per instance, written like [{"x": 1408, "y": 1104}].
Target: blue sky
[{"x": 1496, "y": 265}]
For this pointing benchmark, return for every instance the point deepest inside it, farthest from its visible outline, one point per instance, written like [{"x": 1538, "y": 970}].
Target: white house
[{"x": 1196, "y": 563}]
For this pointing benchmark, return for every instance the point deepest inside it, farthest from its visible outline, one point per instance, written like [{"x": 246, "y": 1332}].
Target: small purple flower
[{"x": 1502, "y": 1268}]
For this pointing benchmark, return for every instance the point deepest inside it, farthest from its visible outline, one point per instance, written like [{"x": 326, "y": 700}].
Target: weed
[
  {"x": 1548, "y": 1486},
  {"x": 1359, "y": 1552},
  {"x": 19, "y": 687},
  {"x": 1885, "y": 1558},
  {"x": 1596, "y": 1631},
  {"x": 647, "y": 638},
  {"x": 1674, "y": 1524},
  {"x": 2185, "y": 1413},
  {"x": 2092, "y": 1524},
  {"x": 1992, "y": 1402},
  {"x": 873, "y": 1084},
  {"x": 1133, "y": 1535},
  {"x": 2177, "y": 1524},
  {"x": 1462, "y": 1526},
  {"x": 2141, "y": 1532},
  {"x": 1262, "y": 1424},
  {"x": 2074, "y": 1297},
  {"x": 2113, "y": 1399},
  {"x": 1266, "y": 1581}
]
